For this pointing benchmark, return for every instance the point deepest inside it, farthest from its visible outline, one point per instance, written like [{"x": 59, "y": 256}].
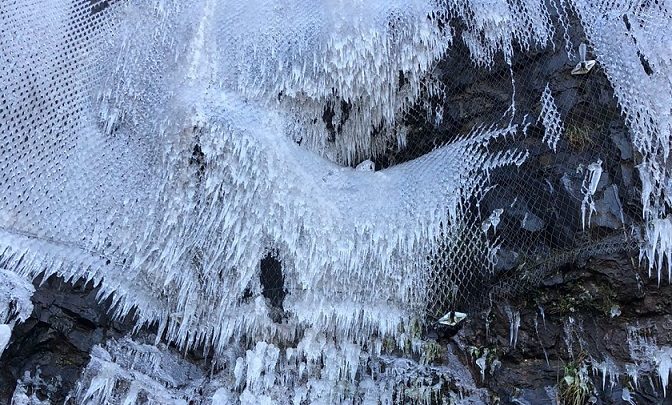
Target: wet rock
[
  {"x": 539, "y": 395},
  {"x": 505, "y": 260},
  {"x": 619, "y": 136},
  {"x": 627, "y": 174},
  {"x": 554, "y": 279},
  {"x": 609, "y": 210},
  {"x": 52, "y": 346},
  {"x": 568, "y": 323},
  {"x": 531, "y": 222}
]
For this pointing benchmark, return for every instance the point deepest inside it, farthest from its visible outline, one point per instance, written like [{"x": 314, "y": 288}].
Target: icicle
[
  {"x": 627, "y": 397},
  {"x": 514, "y": 325},
  {"x": 492, "y": 221},
  {"x": 589, "y": 187},
  {"x": 664, "y": 363},
  {"x": 608, "y": 370},
  {"x": 536, "y": 331}
]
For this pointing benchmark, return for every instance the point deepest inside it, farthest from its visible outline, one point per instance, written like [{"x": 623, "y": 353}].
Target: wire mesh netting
[{"x": 536, "y": 213}]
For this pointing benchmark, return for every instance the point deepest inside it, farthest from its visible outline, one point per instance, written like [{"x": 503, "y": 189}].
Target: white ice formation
[
  {"x": 592, "y": 176},
  {"x": 162, "y": 148},
  {"x": 15, "y": 304},
  {"x": 126, "y": 371},
  {"x": 551, "y": 118},
  {"x": 638, "y": 62}
]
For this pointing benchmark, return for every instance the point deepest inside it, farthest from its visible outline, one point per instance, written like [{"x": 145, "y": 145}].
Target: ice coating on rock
[
  {"x": 15, "y": 303},
  {"x": 195, "y": 199},
  {"x": 124, "y": 370},
  {"x": 627, "y": 396},
  {"x": 638, "y": 66},
  {"x": 663, "y": 359},
  {"x": 492, "y": 221},
  {"x": 15, "y": 295},
  {"x": 5, "y": 335},
  {"x": 514, "y": 325},
  {"x": 650, "y": 359},
  {"x": 608, "y": 370}
]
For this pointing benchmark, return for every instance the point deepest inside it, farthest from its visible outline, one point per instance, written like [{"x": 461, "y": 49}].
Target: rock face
[
  {"x": 601, "y": 315},
  {"x": 590, "y": 327},
  {"x": 48, "y": 351},
  {"x": 606, "y": 316}
]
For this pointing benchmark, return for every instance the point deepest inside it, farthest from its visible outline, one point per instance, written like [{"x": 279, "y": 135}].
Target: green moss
[
  {"x": 389, "y": 345},
  {"x": 579, "y": 299}
]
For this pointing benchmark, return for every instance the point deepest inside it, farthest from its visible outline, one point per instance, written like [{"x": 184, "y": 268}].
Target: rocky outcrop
[
  {"x": 572, "y": 320},
  {"x": 605, "y": 325},
  {"x": 48, "y": 351}
]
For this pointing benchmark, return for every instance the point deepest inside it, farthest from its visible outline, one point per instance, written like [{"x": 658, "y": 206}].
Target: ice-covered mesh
[
  {"x": 265, "y": 170},
  {"x": 574, "y": 194}
]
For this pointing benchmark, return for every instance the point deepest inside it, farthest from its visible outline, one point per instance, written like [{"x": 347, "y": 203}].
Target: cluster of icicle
[
  {"x": 15, "y": 304},
  {"x": 162, "y": 149},
  {"x": 315, "y": 371},
  {"x": 632, "y": 43}
]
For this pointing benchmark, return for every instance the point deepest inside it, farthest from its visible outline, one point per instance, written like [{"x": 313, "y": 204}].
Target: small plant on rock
[{"x": 575, "y": 386}]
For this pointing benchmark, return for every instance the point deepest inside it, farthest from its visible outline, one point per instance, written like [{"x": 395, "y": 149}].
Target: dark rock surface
[
  {"x": 54, "y": 343},
  {"x": 591, "y": 316}
]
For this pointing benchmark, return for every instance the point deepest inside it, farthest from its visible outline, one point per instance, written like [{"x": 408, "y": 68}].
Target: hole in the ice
[
  {"x": 273, "y": 284},
  {"x": 197, "y": 159},
  {"x": 645, "y": 64},
  {"x": 98, "y": 6}
]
